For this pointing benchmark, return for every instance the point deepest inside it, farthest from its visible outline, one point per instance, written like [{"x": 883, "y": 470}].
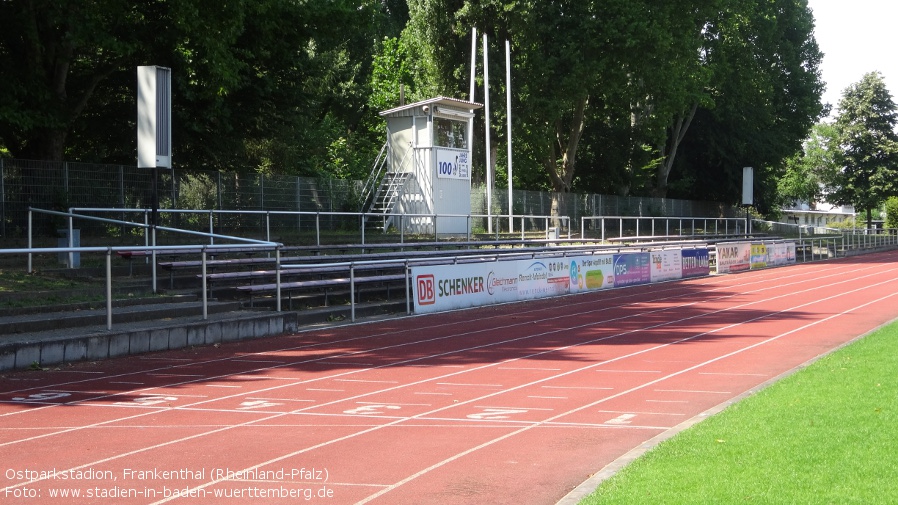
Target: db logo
[{"x": 426, "y": 291}]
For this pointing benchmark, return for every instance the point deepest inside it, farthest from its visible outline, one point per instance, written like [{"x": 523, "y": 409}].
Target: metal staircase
[
  {"x": 389, "y": 184},
  {"x": 390, "y": 189}
]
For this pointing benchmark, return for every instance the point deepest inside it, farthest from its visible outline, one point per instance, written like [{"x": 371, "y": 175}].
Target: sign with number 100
[{"x": 452, "y": 164}]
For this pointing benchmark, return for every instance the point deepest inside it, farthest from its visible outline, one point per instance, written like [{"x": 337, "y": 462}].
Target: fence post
[
  {"x": 2, "y": 202},
  {"x": 108, "y": 288},
  {"x": 205, "y": 292},
  {"x": 408, "y": 296},
  {"x": 30, "y": 234},
  {"x": 352, "y": 291}
]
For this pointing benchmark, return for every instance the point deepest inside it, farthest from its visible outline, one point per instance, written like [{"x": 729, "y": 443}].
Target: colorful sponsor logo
[
  {"x": 495, "y": 284},
  {"x": 460, "y": 286},
  {"x": 425, "y": 289}
]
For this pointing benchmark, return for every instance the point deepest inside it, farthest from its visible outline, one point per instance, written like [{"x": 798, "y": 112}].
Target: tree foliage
[
  {"x": 617, "y": 96},
  {"x": 810, "y": 171},
  {"x": 867, "y": 144}
]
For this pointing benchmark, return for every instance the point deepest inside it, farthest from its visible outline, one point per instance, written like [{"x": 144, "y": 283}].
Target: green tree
[
  {"x": 891, "y": 207},
  {"x": 867, "y": 146},
  {"x": 807, "y": 172},
  {"x": 764, "y": 89},
  {"x": 270, "y": 85}
]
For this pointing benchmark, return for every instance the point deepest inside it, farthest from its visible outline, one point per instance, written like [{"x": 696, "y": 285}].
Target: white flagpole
[
  {"x": 473, "y": 62},
  {"x": 508, "y": 114},
  {"x": 486, "y": 109}
]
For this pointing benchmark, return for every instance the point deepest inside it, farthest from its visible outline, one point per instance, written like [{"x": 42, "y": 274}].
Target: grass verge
[{"x": 826, "y": 434}]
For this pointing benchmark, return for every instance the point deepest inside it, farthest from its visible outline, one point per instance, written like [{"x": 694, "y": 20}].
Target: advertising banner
[
  {"x": 448, "y": 287},
  {"x": 591, "y": 272},
  {"x": 696, "y": 262},
  {"x": 632, "y": 268},
  {"x": 790, "y": 253},
  {"x": 759, "y": 255},
  {"x": 538, "y": 278},
  {"x": 452, "y": 164},
  {"x": 666, "y": 265},
  {"x": 733, "y": 257}
]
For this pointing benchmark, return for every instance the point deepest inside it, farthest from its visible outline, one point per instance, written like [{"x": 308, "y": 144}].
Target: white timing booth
[{"x": 429, "y": 163}]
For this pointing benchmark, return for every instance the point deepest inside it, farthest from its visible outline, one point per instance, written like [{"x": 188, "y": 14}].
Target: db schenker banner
[{"x": 447, "y": 287}]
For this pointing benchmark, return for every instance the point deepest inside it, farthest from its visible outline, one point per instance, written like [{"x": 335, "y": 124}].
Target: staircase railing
[{"x": 376, "y": 174}]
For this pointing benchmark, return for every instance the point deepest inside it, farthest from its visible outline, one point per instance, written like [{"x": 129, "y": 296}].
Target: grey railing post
[
  {"x": 205, "y": 292},
  {"x": 109, "y": 288},
  {"x": 277, "y": 276},
  {"x": 352, "y": 291}
]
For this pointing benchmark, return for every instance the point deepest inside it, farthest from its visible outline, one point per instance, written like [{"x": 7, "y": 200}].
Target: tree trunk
[
  {"x": 563, "y": 148},
  {"x": 669, "y": 151}
]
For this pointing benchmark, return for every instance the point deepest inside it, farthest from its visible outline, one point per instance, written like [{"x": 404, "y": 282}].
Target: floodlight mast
[{"x": 154, "y": 125}]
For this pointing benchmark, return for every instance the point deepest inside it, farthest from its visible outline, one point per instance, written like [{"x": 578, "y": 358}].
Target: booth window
[{"x": 450, "y": 133}]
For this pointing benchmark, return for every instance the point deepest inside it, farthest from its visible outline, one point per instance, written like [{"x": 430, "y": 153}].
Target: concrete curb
[{"x": 24, "y": 353}]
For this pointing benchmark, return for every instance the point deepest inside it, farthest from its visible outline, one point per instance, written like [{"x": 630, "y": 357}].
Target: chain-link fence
[{"x": 63, "y": 185}]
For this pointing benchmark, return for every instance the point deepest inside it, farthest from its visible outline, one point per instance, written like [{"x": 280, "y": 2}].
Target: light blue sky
[{"x": 856, "y": 37}]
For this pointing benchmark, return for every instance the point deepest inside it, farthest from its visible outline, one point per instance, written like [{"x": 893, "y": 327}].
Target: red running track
[{"x": 514, "y": 404}]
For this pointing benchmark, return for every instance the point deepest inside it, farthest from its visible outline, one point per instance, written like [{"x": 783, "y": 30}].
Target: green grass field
[{"x": 827, "y": 434}]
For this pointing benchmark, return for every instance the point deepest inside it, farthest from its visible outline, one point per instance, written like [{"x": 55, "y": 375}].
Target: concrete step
[{"x": 50, "y": 321}]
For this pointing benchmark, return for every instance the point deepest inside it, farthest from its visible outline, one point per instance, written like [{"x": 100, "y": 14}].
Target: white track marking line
[
  {"x": 598, "y": 388},
  {"x": 694, "y": 391},
  {"x": 734, "y": 374},
  {"x": 367, "y": 380}
]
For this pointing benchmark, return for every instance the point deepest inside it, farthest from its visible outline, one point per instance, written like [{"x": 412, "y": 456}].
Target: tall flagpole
[
  {"x": 486, "y": 106},
  {"x": 473, "y": 62},
  {"x": 508, "y": 114}
]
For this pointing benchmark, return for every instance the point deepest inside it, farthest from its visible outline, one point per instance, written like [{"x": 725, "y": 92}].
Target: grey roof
[{"x": 440, "y": 100}]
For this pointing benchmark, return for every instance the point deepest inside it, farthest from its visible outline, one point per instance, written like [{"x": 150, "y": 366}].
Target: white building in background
[{"x": 819, "y": 214}]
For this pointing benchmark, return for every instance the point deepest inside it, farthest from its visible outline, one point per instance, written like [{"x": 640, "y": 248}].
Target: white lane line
[
  {"x": 469, "y": 385},
  {"x": 529, "y": 368},
  {"x": 734, "y": 374},
  {"x": 694, "y": 391},
  {"x": 366, "y": 380},
  {"x": 340, "y": 363},
  {"x": 221, "y": 386},
  {"x": 549, "y": 397},
  {"x": 507, "y": 408},
  {"x": 629, "y": 371},
  {"x": 639, "y": 412},
  {"x": 667, "y": 401},
  {"x": 393, "y": 403},
  {"x": 279, "y": 361},
  {"x": 578, "y": 387},
  {"x": 279, "y": 399}
]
